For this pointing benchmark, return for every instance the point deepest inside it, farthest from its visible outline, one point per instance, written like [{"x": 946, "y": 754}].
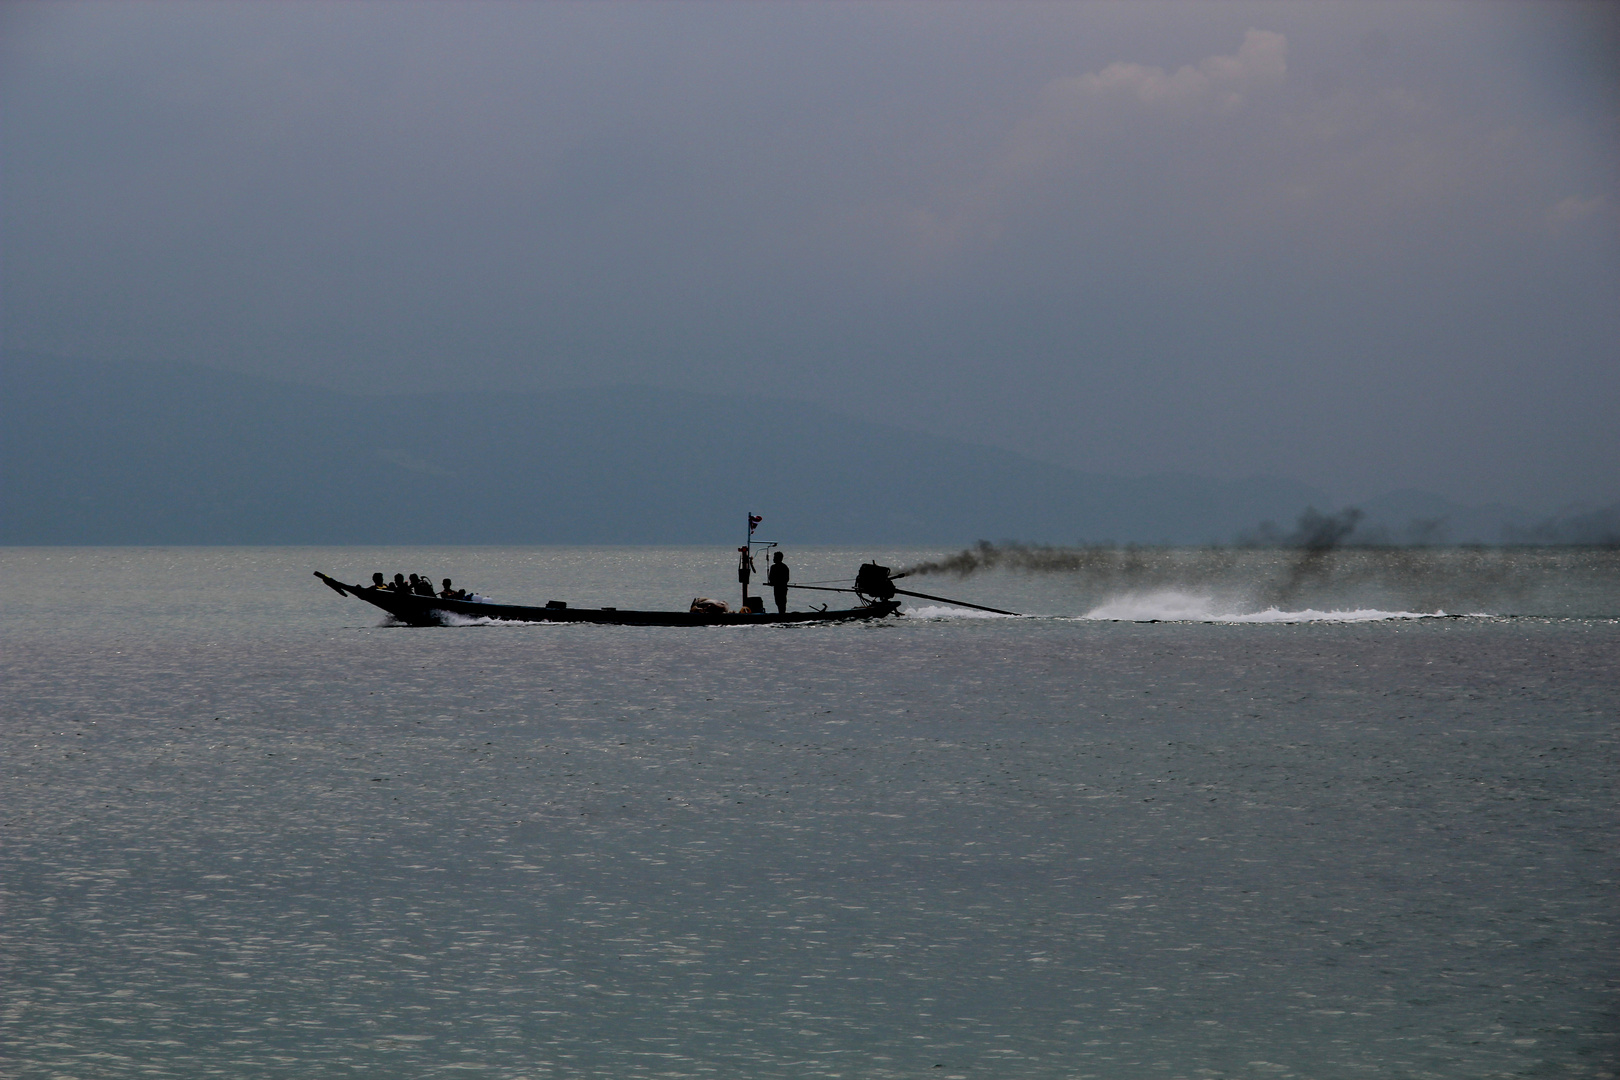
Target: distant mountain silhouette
[{"x": 103, "y": 453}]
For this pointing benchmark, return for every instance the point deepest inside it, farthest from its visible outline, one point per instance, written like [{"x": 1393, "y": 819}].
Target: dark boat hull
[{"x": 433, "y": 611}]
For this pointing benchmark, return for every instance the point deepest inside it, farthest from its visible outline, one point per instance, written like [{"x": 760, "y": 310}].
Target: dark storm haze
[{"x": 1367, "y": 247}]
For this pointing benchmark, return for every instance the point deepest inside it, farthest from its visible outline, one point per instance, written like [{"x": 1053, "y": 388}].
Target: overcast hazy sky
[{"x": 1366, "y": 245}]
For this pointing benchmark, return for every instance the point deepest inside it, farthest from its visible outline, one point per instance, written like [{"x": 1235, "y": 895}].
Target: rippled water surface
[{"x": 247, "y": 830}]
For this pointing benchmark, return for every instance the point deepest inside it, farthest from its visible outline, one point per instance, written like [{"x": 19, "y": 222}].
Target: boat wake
[
  {"x": 1174, "y": 605},
  {"x": 451, "y": 618},
  {"x": 1169, "y": 605}
]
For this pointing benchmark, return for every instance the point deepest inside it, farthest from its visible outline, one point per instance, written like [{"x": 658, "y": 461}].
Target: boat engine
[{"x": 873, "y": 582}]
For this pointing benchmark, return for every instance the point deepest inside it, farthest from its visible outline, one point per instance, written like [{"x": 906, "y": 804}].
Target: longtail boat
[
  {"x": 873, "y": 586},
  {"x": 437, "y": 611}
]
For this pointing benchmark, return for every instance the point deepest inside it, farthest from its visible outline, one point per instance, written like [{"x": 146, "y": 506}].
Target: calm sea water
[{"x": 247, "y": 830}]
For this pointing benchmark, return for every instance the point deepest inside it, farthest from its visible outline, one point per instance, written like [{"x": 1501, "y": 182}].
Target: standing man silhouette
[{"x": 777, "y": 576}]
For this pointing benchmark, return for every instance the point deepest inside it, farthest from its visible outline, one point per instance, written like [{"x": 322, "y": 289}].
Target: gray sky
[{"x": 1369, "y": 246}]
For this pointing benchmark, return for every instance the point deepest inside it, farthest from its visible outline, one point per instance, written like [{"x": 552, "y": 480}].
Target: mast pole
[{"x": 745, "y": 557}]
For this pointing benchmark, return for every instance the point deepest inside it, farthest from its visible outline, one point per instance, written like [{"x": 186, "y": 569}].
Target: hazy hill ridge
[{"x": 101, "y": 453}]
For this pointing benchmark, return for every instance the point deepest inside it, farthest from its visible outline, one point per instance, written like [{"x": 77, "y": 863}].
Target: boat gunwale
[{"x": 421, "y": 610}]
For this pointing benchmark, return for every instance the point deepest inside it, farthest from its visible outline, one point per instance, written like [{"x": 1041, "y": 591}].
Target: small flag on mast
[{"x": 753, "y": 522}]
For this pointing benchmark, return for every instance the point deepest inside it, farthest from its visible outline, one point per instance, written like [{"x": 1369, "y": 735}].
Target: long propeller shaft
[
  {"x": 958, "y": 603},
  {"x": 919, "y": 595}
]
